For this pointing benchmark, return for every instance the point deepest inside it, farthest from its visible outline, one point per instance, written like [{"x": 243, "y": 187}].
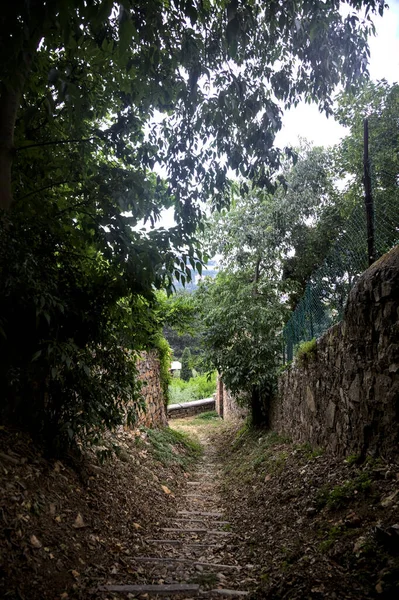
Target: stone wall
[
  {"x": 225, "y": 403},
  {"x": 189, "y": 409},
  {"x": 149, "y": 371},
  {"x": 346, "y": 398}
]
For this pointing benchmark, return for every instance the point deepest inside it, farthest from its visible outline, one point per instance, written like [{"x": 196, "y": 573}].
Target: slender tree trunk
[
  {"x": 368, "y": 196},
  {"x": 9, "y": 104},
  {"x": 10, "y": 99}
]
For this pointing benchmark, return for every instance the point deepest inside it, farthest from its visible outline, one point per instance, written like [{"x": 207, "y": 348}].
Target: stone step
[
  {"x": 182, "y": 543},
  {"x": 202, "y": 484},
  {"x": 192, "y": 495},
  {"x": 216, "y": 515},
  {"x": 174, "y": 589},
  {"x": 198, "y": 530},
  {"x": 156, "y": 590},
  {"x": 227, "y": 592},
  {"x": 190, "y": 561},
  {"x": 191, "y": 520},
  {"x": 199, "y": 498}
]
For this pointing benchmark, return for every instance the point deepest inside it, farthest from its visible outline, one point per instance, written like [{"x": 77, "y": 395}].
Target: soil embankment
[
  {"x": 315, "y": 526},
  {"x": 66, "y": 530},
  {"x": 254, "y": 515}
]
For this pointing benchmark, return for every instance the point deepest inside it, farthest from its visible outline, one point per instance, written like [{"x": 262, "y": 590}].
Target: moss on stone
[{"x": 306, "y": 352}]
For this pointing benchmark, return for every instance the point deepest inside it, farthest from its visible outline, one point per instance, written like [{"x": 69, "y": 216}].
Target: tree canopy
[
  {"x": 186, "y": 366},
  {"x": 379, "y": 103},
  {"x": 217, "y": 72},
  {"x": 269, "y": 245},
  {"x": 111, "y": 112}
]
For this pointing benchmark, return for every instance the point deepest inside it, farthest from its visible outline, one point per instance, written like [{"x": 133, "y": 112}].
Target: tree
[
  {"x": 242, "y": 320},
  {"x": 295, "y": 226},
  {"x": 217, "y": 71},
  {"x": 243, "y": 309},
  {"x": 269, "y": 245},
  {"x": 70, "y": 332},
  {"x": 94, "y": 94},
  {"x": 186, "y": 368},
  {"x": 308, "y": 214}
]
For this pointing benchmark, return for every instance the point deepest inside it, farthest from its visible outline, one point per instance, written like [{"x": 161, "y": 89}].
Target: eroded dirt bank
[
  {"x": 314, "y": 526},
  {"x": 65, "y": 530},
  {"x": 254, "y": 513}
]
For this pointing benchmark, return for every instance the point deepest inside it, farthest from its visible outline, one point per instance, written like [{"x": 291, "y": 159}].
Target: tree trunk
[{"x": 9, "y": 104}]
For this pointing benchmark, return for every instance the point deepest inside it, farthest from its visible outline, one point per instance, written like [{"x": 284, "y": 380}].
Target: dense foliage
[
  {"x": 379, "y": 102},
  {"x": 69, "y": 331},
  {"x": 186, "y": 340},
  {"x": 271, "y": 244},
  {"x": 241, "y": 322},
  {"x": 186, "y": 371},
  {"x": 97, "y": 97},
  {"x": 217, "y": 70}
]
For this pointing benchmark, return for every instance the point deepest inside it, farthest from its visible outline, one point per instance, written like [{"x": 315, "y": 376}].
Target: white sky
[{"x": 305, "y": 120}]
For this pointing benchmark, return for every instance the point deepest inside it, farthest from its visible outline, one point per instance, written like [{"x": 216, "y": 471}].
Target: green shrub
[
  {"x": 170, "y": 446},
  {"x": 195, "y": 388},
  {"x": 71, "y": 330},
  {"x": 340, "y": 495},
  {"x": 210, "y": 415},
  {"x": 306, "y": 352}
]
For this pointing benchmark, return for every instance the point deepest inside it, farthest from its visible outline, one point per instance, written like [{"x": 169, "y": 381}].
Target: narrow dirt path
[{"x": 194, "y": 555}]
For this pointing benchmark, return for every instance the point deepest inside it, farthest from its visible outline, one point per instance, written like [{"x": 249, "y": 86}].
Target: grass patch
[
  {"x": 242, "y": 434},
  {"x": 335, "y": 533},
  {"x": 340, "y": 495},
  {"x": 270, "y": 462},
  {"x": 310, "y": 452},
  {"x": 206, "y": 579},
  {"x": 173, "y": 447},
  {"x": 248, "y": 435},
  {"x": 206, "y": 417},
  {"x": 257, "y": 451},
  {"x": 352, "y": 459}
]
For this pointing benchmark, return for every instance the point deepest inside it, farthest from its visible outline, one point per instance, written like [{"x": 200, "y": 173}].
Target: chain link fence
[{"x": 324, "y": 300}]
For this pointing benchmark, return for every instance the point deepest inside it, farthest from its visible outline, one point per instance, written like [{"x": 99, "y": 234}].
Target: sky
[{"x": 305, "y": 120}]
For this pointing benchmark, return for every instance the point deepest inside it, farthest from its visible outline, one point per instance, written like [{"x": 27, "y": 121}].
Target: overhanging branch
[{"x": 55, "y": 143}]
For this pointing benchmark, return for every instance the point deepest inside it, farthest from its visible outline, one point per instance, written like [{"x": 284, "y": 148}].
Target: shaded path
[{"x": 194, "y": 555}]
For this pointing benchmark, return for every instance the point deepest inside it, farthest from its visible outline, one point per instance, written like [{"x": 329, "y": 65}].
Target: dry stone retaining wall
[
  {"x": 189, "y": 409},
  {"x": 149, "y": 372},
  {"x": 346, "y": 398},
  {"x": 226, "y": 405}
]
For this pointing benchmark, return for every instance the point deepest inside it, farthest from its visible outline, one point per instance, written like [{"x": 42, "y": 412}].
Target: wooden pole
[{"x": 368, "y": 197}]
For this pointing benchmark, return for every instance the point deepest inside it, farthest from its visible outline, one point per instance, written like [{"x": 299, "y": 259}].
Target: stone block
[
  {"x": 330, "y": 414},
  {"x": 310, "y": 399}
]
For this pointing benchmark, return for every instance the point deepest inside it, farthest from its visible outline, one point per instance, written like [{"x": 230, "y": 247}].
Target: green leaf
[
  {"x": 127, "y": 33},
  {"x": 36, "y": 355}
]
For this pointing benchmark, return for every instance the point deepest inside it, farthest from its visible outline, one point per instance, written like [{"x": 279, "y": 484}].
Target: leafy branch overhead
[{"x": 216, "y": 72}]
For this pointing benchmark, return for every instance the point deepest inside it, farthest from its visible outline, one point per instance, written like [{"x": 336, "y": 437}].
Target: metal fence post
[{"x": 368, "y": 196}]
